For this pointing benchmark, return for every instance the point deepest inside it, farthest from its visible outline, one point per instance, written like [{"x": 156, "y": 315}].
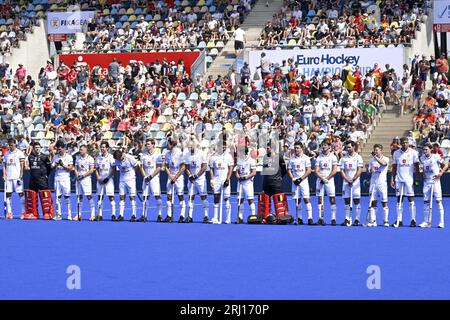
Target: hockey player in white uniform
[
  {"x": 378, "y": 167},
  {"x": 63, "y": 163},
  {"x": 104, "y": 164},
  {"x": 84, "y": 168},
  {"x": 405, "y": 163},
  {"x": 150, "y": 168},
  {"x": 351, "y": 165},
  {"x": 245, "y": 174},
  {"x": 196, "y": 165},
  {"x": 326, "y": 169},
  {"x": 299, "y": 169},
  {"x": 13, "y": 168},
  {"x": 433, "y": 168}
]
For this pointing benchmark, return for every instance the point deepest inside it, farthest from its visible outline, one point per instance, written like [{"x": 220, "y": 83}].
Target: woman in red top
[{"x": 48, "y": 105}]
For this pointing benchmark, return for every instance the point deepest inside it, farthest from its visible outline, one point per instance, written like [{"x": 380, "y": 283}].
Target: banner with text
[
  {"x": 332, "y": 60},
  {"x": 68, "y": 22}
]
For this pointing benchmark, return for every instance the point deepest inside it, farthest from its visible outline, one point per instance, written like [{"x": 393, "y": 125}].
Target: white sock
[
  {"x": 8, "y": 205},
  {"x": 58, "y": 206},
  {"x": 426, "y": 212},
  {"x": 252, "y": 209},
  {"x": 309, "y": 210},
  {"x": 69, "y": 207},
  {"x": 216, "y": 211},
  {"x": 386, "y": 213},
  {"x": 347, "y": 212},
  {"x": 159, "y": 206},
  {"x": 92, "y": 207},
  {"x": 113, "y": 208},
  {"x": 373, "y": 214},
  {"x": 358, "y": 211},
  {"x": 333, "y": 212},
  {"x": 412, "y": 210},
  {"x": 191, "y": 208},
  {"x": 22, "y": 204},
  {"x": 183, "y": 208},
  {"x": 321, "y": 211},
  {"x": 241, "y": 210},
  {"x": 205, "y": 207},
  {"x": 99, "y": 205},
  {"x": 169, "y": 208},
  {"x": 228, "y": 209},
  {"x": 299, "y": 208},
  {"x": 399, "y": 212},
  {"x": 121, "y": 207},
  {"x": 441, "y": 213},
  {"x": 144, "y": 207},
  {"x": 133, "y": 208}
]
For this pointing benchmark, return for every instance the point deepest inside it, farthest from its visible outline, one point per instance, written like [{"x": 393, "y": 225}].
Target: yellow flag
[{"x": 350, "y": 82}]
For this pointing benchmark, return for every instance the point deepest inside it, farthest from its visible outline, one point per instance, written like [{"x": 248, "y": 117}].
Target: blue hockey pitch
[{"x": 196, "y": 261}]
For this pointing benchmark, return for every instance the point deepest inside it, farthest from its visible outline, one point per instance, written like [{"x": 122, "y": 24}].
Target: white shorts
[
  {"x": 355, "y": 190},
  {"x": 408, "y": 189},
  {"x": 153, "y": 187},
  {"x": 379, "y": 191},
  {"x": 62, "y": 187},
  {"x": 84, "y": 187},
  {"x": 329, "y": 188},
  {"x": 178, "y": 186},
  {"x": 437, "y": 191},
  {"x": 198, "y": 187},
  {"x": 15, "y": 185},
  {"x": 107, "y": 188},
  {"x": 127, "y": 186},
  {"x": 247, "y": 191},
  {"x": 303, "y": 190},
  {"x": 217, "y": 187}
]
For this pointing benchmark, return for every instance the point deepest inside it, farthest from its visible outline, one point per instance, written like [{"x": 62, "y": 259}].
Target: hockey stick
[
  {"x": 322, "y": 196},
  {"x": 351, "y": 202},
  {"x": 430, "y": 214},
  {"x": 297, "y": 200},
  {"x": 4, "y": 201},
  {"x": 78, "y": 200},
  {"x": 239, "y": 200},
  {"x": 173, "y": 200},
  {"x": 220, "y": 205}
]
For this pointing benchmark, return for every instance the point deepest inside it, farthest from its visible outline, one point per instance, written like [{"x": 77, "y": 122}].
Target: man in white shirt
[
  {"x": 84, "y": 168},
  {"x": 104, "y": 164},
  {"x": 405, "y": 163},
  {"x": 351, "y": 166},
  {"x": 378, "y": 167},
  {"x": 13, "y": 167},
  {"x": 326, "y": 169},
  {"x": 63, "y": 163},
  {"x": 433, "y": 169},
  {"x": 298, "y": 169},
  {"x": 245, "y": 174},
  {"x": 239, "y": 40},
  {"x": 196, "y": 165},
  {"x": 151, "y": 164}
]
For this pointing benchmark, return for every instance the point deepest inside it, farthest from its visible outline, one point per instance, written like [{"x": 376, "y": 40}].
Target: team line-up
[{"x": 193, "y": 163}]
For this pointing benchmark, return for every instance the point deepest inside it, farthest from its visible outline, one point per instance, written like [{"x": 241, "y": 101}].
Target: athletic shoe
[
  {"x": 333, "y": 222},
  {"x": 133, "y": 218},
  {"x": 159, "y": 219},
  {"x": 320, "y": 222},
  {"x": 346, "y": 223},
  {"x": 310, "y": 222},
  {"x": 425, "y": 225},
  {"x": 68, "y": 218},
  {"x": 189, "y": 220},
  {"x": 168, "y": 219},
  {"x": 227, "y": 221},
  {"x": 120, "y": 218},
  {"x": 78, "y": 217},
  {"x": 413, "y": 224},
  {"x": 92, "y": 218},
  {"x": 299, "y": 221},
  {"x": 206, "y": 220},
  {"x": 239, "y": 220},
  {"x": 142, "y": 219},
  {"x": 9, "y": 216},
  {"x": 181, "y": 220},
  {"x": 47, "y": 217},
  {"x": 214, "y": 221},
  {"x": 99, "y": 218},
  {"x": 22, "y": 216},
  {"x": 441, "y": 225},
  {"x": 113, "y": 218},
  {"x": 397, "y": 224},
  {"x": 386, "y": 223},
  {"x": 356, "y": 223}
]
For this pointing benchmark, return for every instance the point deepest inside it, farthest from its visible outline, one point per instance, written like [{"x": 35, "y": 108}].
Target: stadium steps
[
  {"x": 389, "y": 125},
  {"x": 252, "y": 26}
]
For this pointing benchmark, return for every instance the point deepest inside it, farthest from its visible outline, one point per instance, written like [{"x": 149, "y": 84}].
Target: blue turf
[{"x": 196, "y": 261}]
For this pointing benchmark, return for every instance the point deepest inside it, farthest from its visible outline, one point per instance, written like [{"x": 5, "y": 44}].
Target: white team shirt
[
  {"x": 83, "y": 164},
  {"x": 150, "y": 161},
  {"x": 174, "y": 161},
  {"x": 220, "y": 163},
  {"x": 60, "y": 172},
  {"x": 246, "y": 166},
  {"x": 350, "y": 164},
  {"x": 405, "y": 164},
  {"x": 299, "y": 165},
  {"x": 431, "y": 166},
  {"x": 127, "y": 167},
  {"x": 12, "y": 162},
  {"x": 325, "y": 163},
  {"x": 379, "y": 172},
  {"x": 103, "y": 165},
  {"x": 195, "y": 161}
]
